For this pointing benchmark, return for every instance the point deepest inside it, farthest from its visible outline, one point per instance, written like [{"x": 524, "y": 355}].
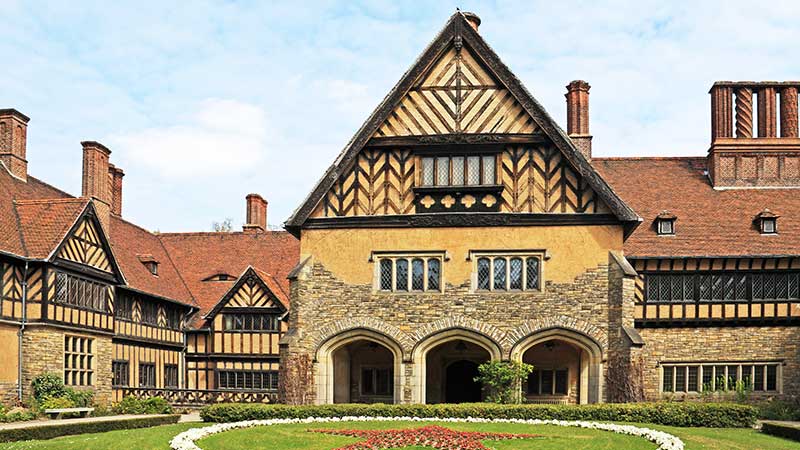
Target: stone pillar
[
  {"x": 789, "y": 112},
  {"x": 767, "y": 113}
]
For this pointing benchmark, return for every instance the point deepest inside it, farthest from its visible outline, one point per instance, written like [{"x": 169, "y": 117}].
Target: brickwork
[
  {"x": 728, "y": 344},
  {"x": 43, "y": 350},
  {"x": 324, "y": 306}
]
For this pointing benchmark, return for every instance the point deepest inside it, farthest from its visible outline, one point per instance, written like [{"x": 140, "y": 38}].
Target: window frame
[
  {"x": 661, "y": 222},
  {"x": 79, "y": 360},
  {"x": 377, "y": 372},
  {"x": 762, "y": 228},
  {"x": 146, "y": 378},
  {"x": 230, "y": 318},
  {"x": 269, "y": 378},
  {"x": 379, "y": 261},
  {"x": 168, "y": 382},
  {"x": 524, "y": 255},
  {"x": 436, "y": 159},
  {"x": 64, "y": 292},
  {"x": 121, "y": 373},
  {"x": 554, "y": 374},
  {"x": 742, "y": 369}
]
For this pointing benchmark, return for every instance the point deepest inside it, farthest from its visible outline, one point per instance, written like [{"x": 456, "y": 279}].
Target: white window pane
[
  {"x": 474, "y": 170},
  {"x": 427, "y": 171},
  {"x": 442, "y": 171},
  {"x": 458, "y": 170},
  {"x": 488, "y": 170}
]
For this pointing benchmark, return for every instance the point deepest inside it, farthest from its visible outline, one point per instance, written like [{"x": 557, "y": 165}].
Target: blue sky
[{"x": 203, "y": 102}]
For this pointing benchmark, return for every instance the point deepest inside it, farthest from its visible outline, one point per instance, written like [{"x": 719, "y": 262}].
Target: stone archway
[
  {"x": 353, "y": 366},
  {"x": 575, "y": 361},
  {"x": 448, "y": 347}
]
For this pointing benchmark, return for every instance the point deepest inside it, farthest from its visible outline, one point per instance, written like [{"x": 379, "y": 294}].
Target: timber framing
[
  {"x": 249, "y": 275},
  {"x": 459, "y": 31}
]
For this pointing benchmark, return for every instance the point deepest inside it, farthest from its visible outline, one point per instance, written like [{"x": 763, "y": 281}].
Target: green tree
[{"x": 502, "y": 380}]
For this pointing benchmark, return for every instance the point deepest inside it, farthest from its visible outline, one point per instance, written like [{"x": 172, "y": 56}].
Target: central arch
[
  {"x": 359, "y": 365},
  {"x": 568, "y": 366},
  {"x": 446, "y": 361}
]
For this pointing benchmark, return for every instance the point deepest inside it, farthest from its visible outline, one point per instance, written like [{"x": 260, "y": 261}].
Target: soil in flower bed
[{"x": 432, "y": 436}]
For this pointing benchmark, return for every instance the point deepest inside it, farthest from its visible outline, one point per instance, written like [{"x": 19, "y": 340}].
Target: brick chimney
[
  {"x": 578, "y": 116},
  {"x": 95, "y": 184},
  {"x": 760, "y": 149},
  {"x": 256, "y": 214},
  {"x": 473, "y": 19},
  {"x": 13, "y": 137},
  {"x": 115, "y": 175}
]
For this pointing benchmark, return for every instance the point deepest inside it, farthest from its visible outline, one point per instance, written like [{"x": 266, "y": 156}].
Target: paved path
[
  {"x": 47, "y": 423},
  {"x": 193, "y": 416}
]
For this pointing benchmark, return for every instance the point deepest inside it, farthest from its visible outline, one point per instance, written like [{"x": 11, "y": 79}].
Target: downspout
[{"x": 22, "y": 330}]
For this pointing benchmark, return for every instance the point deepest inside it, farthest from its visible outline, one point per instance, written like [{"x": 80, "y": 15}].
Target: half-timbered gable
[{"x": 85, "y": 247}]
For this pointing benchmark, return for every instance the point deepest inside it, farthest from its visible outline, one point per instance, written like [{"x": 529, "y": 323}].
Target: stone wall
[
  {"x": 324, "y": 307},
  {"x": 43, "y": 352},
  {"x": 724, "y": 344}
]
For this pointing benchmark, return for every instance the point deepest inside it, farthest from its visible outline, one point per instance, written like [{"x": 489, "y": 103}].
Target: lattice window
[
  {"x": 427, "y": 172},
  {"x": 710, "y": 377},
  {"x": 474, "y": 170},
  {"x": 507, "y": 273},
  {"x": 728, "y": 286},
  {"x": 147, "y": 375},
  {"x": 252, "y": 322},
  {"x": 488, "y": 175},
  {"x": 247, "y": 380},
  {"x": 395, "y": 275},
  {"x": 458, "y": 170},
  {"x": 81, "y": 293},
  {"x": 442, "y": 171},
  {"x": 121, "y": 373},
  {"x": 170, "y": 376},
  {"x": 78, "y": 361}
]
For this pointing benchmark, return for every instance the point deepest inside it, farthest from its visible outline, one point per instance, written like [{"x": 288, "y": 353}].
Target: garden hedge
[
  {"x": 781, "y": 430},
  {"x": 52, "y": 430},
  {"x": 688, "y": 414}
]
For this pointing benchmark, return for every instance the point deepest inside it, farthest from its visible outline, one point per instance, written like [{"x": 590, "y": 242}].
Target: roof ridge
[
  {"x": 653, "y": 158},
  {"x": 219, "y": 233},
  {"x": 19, "y": 230},
  {"x": 37, "y": 201},
  {"x": 50, "y": 186},
  {"x": 175, "y": 267}
]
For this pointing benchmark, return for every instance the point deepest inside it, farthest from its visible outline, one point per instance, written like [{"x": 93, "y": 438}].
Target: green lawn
[{"x": 296, "y": 437}]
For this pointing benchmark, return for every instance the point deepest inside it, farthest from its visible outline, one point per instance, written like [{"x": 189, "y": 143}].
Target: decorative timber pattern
[
  {"x": 251, "y": 294},
  {"x": 534, "y": 179},
  {"x": 540, "y": 180},
  {"x": 457, "y": 95},
  {"x": 717, "y": 292},
  {"x": 380, "y": 183},
  {"x": 85, "y": 247}
]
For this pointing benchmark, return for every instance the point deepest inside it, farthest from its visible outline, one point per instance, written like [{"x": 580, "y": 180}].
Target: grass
[{"x": 296, "y": 437}]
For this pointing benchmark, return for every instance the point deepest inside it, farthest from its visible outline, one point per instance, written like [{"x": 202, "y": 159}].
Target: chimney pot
[
  {"x": 95, "y": 183},
  {"x": 13, "y": 141},
  {"x": 473, "y": 19},
  {"x": 578, "y": 116},
  {"x": 256, "y": 214}
]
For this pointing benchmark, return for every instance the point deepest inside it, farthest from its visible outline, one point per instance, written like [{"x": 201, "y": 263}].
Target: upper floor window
[
  {"x": 464, "y": 170},
  {"x": 722, "y": 286},
  {"x": 252, "y": 322},
  {"x": 150, "y": 263},
  {"x": 220, "y": 277},
  {"x": 410, "y": 273},
  {"x": 80, "y": 292},
  {"x": 508, "y": 273},
  {"x": 767, "y": 222},
  {"x": 665, "y": 223}
]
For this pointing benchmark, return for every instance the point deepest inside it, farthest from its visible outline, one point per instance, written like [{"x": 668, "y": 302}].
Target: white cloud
[{"x": 221, "y": 137}]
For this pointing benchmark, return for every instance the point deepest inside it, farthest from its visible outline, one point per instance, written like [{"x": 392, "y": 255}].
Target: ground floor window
[
  {"x": 247, "y": 379},
  {"x": 121, "y": 370},
  {"x": 147, "y": 375},
  {"x": 170, "y": 376},
  {"x": 548, "y": 382},
  {"x": 376, "y": 381},
  {"x": 709, "y": 377},
  {"x": 78, "y": 361}
]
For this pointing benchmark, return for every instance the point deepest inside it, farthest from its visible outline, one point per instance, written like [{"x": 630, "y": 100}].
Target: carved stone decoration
[
  {"x": 427, "y": 201},
  {"x": 489, "y": 200},
  {"x": 448, "y": 201}
]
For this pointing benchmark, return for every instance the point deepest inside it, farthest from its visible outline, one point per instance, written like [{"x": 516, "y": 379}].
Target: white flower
[{"x": 665, "y": 441}]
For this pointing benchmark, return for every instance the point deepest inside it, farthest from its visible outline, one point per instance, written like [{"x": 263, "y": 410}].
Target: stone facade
[{"x": 43, "y": 352}]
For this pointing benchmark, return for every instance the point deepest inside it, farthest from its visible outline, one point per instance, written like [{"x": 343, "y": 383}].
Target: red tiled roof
[
  {"x": 275, "y": 287},
  {"x": 44, "y": 224},
  {"x": 709, "y": 222},
  {"x": 129, "y": 242},
  {"x": 202, "y": 255}
]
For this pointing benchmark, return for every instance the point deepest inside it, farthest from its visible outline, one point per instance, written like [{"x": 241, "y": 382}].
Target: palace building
[{"x": 461, "y": 224}]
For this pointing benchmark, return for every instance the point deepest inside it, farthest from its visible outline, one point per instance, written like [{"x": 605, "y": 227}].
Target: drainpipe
[{"x": 22, "y": 330}]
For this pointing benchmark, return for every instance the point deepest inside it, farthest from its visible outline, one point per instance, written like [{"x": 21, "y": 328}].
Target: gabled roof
[
  {"x": 45, "y": 224},
  {"x": 199, "y": 256},
  {"x": 710, "y": 222},
  {"x": 269, "y": 282},
  {"x": 458, "y": 28}
]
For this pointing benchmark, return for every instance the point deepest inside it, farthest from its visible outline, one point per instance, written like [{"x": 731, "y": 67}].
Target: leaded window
[
  {"x": 252, "y": 322},
  {"x": 722, "y": 286},
  {"x": 170, "y": 376},
  {"x": 459, "y": 170},
  {"x": 710, "y": 377},
  {"x": 409, "y": 274},
  {"x": 80, "y": 292},
  {"x": 78, "y": 361},
  {"x": 121, "y": 373},
  {"x": 508, "y": 273},
  {"x": 147, "y": 375},
  {"x": 247, "y": 379}
]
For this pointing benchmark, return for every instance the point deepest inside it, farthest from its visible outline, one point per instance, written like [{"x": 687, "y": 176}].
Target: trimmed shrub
[
  {"x": 778, "y": 410},
  {"x": 51, "y": 430},
  {"x": 152, "y": 405},
  {"x": 48, "y": 385},
  {"x": 781, "y": 430},
  {"x": 717, "y": 415},
  {"x": 57, "y": 403}
]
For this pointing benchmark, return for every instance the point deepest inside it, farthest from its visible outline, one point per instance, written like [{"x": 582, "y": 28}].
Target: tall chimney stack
[
  {"x": 13, "y": 137},
  {"x": 115, "y": 175},
  {"x": 256, "y": 214},
  {"x": 578, "y": 116},
  {"x": 95, "y": 179},
  {"x": 473, "y": 19}
]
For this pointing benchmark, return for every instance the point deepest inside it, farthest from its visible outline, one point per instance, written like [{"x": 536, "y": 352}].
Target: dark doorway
[{"x": 461, "y": 385}]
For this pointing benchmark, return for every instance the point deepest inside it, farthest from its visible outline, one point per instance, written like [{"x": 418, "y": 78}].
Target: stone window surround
[
  {"x": 81, "y": 349},
  {"x": 474, "y": 255},
  {"x": 702, "y": 364},
  {"x": 376, "y": 257}
]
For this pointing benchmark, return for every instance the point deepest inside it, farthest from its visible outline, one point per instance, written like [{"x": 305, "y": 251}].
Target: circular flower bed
[{"x": 665, "y": 441}]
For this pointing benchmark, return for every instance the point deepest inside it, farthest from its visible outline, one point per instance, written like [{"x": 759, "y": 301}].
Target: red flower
[{"x": 429, "y": 436}]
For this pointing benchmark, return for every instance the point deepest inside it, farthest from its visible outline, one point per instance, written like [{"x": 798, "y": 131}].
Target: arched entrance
[
  {"x": 359, "y": 366},
  {"x": 448, "y": 363},
  {"x": 567, "y": 367}
]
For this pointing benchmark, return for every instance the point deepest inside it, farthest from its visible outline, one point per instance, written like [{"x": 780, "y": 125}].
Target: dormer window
[
  {"x": 665, "y": 223},
  {"x": 219, "y": 277},
  {"x": 150, "y": 263},
  {"x": 767, "y": 222},
  {"x": 461, "y": 170}
]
